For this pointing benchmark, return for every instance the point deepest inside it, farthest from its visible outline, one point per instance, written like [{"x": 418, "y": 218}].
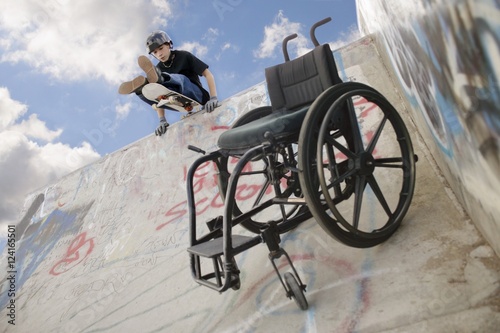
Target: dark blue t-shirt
[{"x": 187, "y": 64}]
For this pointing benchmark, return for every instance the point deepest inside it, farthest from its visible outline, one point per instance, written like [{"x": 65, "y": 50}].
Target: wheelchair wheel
[
  {"x": 256, "y": 183},
  {"x": 358, "y": 165},
  {"x": 295, "y": 291}
]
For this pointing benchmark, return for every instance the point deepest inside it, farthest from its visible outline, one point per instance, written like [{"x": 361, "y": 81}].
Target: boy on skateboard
[{"x": 176, "y": 70}]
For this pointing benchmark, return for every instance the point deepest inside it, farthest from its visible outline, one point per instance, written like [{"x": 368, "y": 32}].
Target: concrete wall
[
  {"x": 104, "y": 228},
  {"x": 445, "y": 56}
]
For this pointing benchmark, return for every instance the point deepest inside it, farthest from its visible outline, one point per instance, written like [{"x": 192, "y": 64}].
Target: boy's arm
[
  {"x": 160, "y": 111},
  {"x": 213, "y": 102},
  {"x": 211, "y": 82},
  {"x": 162, "y": 127}
]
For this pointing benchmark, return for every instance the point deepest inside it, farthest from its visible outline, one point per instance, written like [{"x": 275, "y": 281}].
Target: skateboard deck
[{"x": 166, "y": 98}]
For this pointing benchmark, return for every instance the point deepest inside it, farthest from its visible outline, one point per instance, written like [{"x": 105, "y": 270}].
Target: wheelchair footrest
[{"x": 215, "y": 247}]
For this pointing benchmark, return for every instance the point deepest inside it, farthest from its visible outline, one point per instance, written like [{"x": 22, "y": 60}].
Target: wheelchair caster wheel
[
  {"x": 236, "y": 285},
  {"x": 295, "y": 291}
]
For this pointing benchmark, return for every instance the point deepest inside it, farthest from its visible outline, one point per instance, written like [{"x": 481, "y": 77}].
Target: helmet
[{"x": 156, "y": 39}]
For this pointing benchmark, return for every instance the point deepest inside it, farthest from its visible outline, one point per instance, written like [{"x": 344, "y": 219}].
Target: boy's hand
[
  {"x": 162, "y": 128},
  {"x": 211, "y": 104}
]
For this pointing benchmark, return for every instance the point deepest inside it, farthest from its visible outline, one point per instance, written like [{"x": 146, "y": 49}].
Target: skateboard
[{"x": 166, "y": 98}]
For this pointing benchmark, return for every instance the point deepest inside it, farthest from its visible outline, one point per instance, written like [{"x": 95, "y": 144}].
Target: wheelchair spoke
[
  {"x": 262, "y": 192},
  {"x": 333, "y": 168},
  {"x": 378, "y": 193},
  {"x": 336, "y": 180},
  {"x": 355, "y": 130},
  {"x": 283, "y": 212},
  {"x": 358, "y": 199},
  {"x": 375, "y": 138},
  {"x": 284, "y": 215},
  {"x": 390, "y": 162},
  {"x": 250, "y": 173},
  {"x": 344, "y": 150}
]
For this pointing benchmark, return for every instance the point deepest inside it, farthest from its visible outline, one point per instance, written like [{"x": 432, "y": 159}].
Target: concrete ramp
[{"x": 104, "y": 249}]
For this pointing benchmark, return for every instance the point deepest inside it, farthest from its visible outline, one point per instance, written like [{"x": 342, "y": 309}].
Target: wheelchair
[{"x": 312, "y": 154}]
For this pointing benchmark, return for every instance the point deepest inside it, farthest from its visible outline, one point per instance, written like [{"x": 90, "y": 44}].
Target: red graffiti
[
  {"x": 205, "y": 179},
  {"x": 77, "y": 251},
  {"x": 364, "y": 106},
  {"x": 222, "y": 127}
]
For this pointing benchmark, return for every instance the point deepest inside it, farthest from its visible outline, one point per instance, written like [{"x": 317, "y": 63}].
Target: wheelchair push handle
[
  {"x": 312, "y": 32},
  {"x": 284, "y": 45}
]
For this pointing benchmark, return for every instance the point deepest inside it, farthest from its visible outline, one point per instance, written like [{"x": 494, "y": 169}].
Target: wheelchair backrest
[{"x": 298, "y": 82}]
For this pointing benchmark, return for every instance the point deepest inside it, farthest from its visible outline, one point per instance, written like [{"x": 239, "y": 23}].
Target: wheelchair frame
[{"x": 302, "y": 186}]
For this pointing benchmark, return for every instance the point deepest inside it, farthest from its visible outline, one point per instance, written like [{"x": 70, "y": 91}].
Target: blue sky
[{"x": 61, "y": 62}]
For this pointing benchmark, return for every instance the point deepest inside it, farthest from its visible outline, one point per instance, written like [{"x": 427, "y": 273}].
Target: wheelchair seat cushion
[{"x": 281, "y": 124}]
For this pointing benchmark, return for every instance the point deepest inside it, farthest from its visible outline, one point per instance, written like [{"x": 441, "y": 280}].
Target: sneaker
[
  {"x": 148, "y": 68},
  {"x": 132, "y": 86}
]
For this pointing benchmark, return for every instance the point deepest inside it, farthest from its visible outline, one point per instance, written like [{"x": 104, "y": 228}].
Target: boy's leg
[
  {"x": 152, "y": 73},
  {"x": 137, "y": 83},
  {"x": 144, "y": 99},
  {"x": 181, "y": 84},
  {"x": 134, "y": 85}
]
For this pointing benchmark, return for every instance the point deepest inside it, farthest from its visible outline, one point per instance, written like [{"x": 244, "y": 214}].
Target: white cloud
[
  {"x": 92, "y": 38},
  {"x": 274, "y": 34},
  {"x": 11, "y": 110},
  {"x": 226, "y": 47},
  {"x": 36, "y": 129},
  {"x": 346, "y": 37},
  {"x": 211, "y": 35},
  {"x": 26, "y": 165},
  {"x": 196, "y": 48},
  {"x": 122, "y": 110},
  {"x": 162, "y": 7}
]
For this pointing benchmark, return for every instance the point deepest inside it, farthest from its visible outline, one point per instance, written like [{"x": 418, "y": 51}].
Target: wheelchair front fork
[{"x": 291, "y": 282}]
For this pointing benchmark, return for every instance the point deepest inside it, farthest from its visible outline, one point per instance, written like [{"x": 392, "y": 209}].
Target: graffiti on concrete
[
  {"x": 446, "y": 56},
  {"x": 36, "y": 248},
  {"x": 437, "y": 62},
  {"x": 77, "y": 251}
]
